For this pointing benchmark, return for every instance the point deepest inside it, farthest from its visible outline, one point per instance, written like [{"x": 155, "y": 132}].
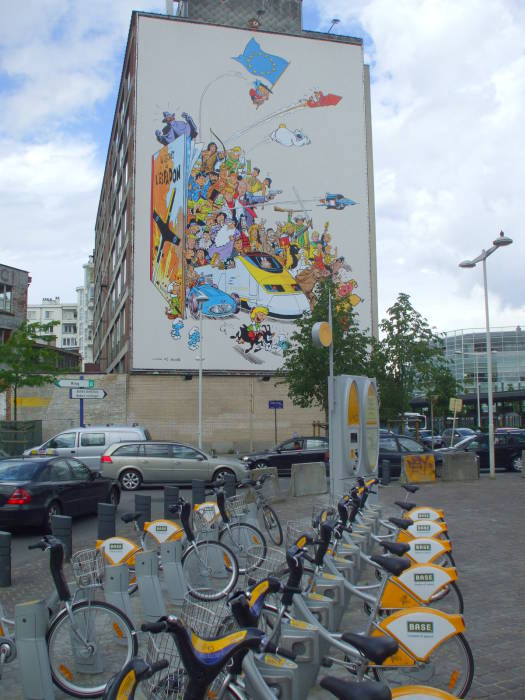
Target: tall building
[
  {"x": 85, "y": 304},
  {"x": 65, "y": 316},
  {"x": 239, "y": 173},
  {"x": 13, "y": 299}
]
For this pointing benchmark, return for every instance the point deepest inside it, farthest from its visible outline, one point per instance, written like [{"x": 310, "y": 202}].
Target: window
[
  {"x": 5, "y": 297},
  {"x": 62, "y": 440},
  {"x": 59, "y": 470},
  {"x": 123, "y": 269},
  {"x": 388, "y": 444},
  {"x": 157, "y": 450},
  {"x": 69, "y": 328},
  {"x": 292, "y": 445},
  {"x": 80, "y": 471},
  {"x": 184, "y": 452},
  {"x": 92, "y": 439},
  {"x": 316, "y": 443},
  {"x": 408, "y": 445},
  {"x": 128, "y": 451}
]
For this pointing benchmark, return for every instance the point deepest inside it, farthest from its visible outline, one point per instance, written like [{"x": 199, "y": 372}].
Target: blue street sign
[{"x": 275, "y": 404}]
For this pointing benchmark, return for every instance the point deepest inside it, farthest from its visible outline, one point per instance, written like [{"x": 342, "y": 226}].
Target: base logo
[
  {"x": 424, "y": 578},
  {"x": 425, "y": 547},
  {"x": 423, "y": 516},
  {"x": 418, "y": 627},
  {"x": 161, "y": 528},
  {"x": 423, "y": 528},
  {"x": 114, "y": 546}
]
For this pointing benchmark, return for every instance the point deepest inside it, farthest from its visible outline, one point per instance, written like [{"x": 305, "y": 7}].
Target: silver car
[{"x": 134, "y": 463}]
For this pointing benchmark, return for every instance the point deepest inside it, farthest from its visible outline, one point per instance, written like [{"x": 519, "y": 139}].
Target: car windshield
[
  {"x": 264, "y": 262},
  {"x": 17, "y": 471},
  {"x": 462, "y": 444}
]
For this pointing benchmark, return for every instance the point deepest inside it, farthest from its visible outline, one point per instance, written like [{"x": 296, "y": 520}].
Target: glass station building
[{"x": 466, "y": 353}]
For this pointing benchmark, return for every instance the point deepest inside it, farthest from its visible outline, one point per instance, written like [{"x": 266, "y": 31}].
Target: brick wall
[{"x": 168, "y": 407}]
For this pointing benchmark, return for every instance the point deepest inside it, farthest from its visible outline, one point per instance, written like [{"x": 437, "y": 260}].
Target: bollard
[
  {"x": 171, "y": 555},
  {"x": 106, "y": 521},
  {"x": 143, "y": 506},
  {"x": 171, "y": 496},
  {"x": 147, "y": 573},
  {"x": 385, "y": 472},
  {"x": 5, "y": 559},
  {"x": 198, "y": 491},
  {"x": 31, "y": 620},
  {"x": 116, "y": 585},
  {"x": 230, "y": 485},
  {"x": 62, "y": 529}
]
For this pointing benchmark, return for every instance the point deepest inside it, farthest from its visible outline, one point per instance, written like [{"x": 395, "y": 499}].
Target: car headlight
[{"x": 245, "y": 459}]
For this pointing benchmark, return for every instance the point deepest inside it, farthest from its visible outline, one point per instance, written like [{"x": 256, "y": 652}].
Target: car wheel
[
  {"x": 237, "y": 299},
  {"x": 516, "y": 463},
  {"x": 114, "y": 496},
  {"x": 261, "y": 464},
  {"x": 54, "y": 508},
  {"x": 194, "y": 308},
  {"x": 221, "y": 473},
  {"x": 130, "y": 480}
]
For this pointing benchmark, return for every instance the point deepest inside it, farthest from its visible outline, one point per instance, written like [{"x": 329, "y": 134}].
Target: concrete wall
[{"x": 168, "y": 407}]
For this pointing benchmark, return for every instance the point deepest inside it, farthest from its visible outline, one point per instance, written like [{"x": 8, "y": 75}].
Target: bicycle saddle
[
  {"x": 406, "y": 505},
  {"x": 130, "y": 517},
  {"x": 377, "y": 649},
  {"x": 350, "y": 690},
  {"x": 397, "y": 548},
  {"x": 401, "y": 523},
  {"x": 410, "y": 488},
  {"x": 394, "y": 565}
]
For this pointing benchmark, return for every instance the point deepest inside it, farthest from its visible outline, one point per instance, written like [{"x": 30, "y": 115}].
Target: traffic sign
[
  {"x": 275, "y": 404},
  {"x": 87, "y": 393},
  {"x": 75, "y": 383}
]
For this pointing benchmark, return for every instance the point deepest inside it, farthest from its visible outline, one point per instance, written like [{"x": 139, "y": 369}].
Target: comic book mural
[{"x": 246, "y": 210}]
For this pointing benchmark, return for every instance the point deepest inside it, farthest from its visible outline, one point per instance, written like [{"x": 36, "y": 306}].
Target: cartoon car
[
  {"x": 259, "y": 279},
  {"x": 218, "y": 305}
]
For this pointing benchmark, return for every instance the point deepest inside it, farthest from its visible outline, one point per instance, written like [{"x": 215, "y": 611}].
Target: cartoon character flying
[{"x": 267, "y": 68}]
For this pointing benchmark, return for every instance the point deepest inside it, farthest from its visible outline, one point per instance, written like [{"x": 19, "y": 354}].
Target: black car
[
  {"x": 393, "y": 447},
  {"x": 32, "y": 489},
  {"x": 293, "y": 451},
  {"x": 507, "y": 449},
  {"x": 451, "y": 437},
  {"x": 426, "y": 438}
]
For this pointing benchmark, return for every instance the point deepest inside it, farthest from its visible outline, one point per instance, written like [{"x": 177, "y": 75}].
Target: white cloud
[{"x": 448, "y": 98}]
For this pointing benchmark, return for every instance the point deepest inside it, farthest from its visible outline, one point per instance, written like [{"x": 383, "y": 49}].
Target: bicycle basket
[
  {"x": 258, "y": 568},
  {"x": 171, "y": 682},
  {"x": 237, "y": 506},
  {"x": 208, "y": 618},
  {"x": 205, "y": 518},
  {"x": 88, "y": 567},
  {"x": 265, "y": 492},
  {"x": 294, "y": 528}
]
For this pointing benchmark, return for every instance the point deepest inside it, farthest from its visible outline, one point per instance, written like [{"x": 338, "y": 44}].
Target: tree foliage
[
  {"x": 26, "y": 360},
  {"x": 409, "y": 359},
  {"x": 306, "y": 367}
]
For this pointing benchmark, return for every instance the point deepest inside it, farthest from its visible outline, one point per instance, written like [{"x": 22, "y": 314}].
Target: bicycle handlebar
[{"x": 154, "y": 627}]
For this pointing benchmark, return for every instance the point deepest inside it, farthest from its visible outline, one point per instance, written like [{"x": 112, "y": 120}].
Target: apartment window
[
  {"x": 117, "y": 285},
  {"x": 113, "y": 257},
  {"x": 123, "y": 322},
  {"x": 31, "y": 315},
  {"x": 123, "y": 271},
  {"x": 69, "y": 328},
  {"x": 6, "y": 297},
  {"x": 125, "y": 173},
  {"x": 124, "y": 221}
]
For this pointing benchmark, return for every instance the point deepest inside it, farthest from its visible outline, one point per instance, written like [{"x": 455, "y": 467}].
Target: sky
[{"x": 448, "y": 115}]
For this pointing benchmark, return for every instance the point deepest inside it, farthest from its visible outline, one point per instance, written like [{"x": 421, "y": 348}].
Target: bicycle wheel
[
  {"x": 449, "y": 600},
  {"x": 241, "y": 537},
  {"x": 450, "y": 667},
  {"x": 271, "y": 524},
  {"x": 90, "y": 647},
  {"x": 210, "y": 569}
]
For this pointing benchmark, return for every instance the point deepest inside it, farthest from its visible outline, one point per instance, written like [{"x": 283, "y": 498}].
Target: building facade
[
  {"x": 65, "y": 316},
  {"x": 258, "y": 184},
  {"x": 466, "y": 353},
  {"x": 13, "y": 299},
  {"x": 85, "y": 304}
]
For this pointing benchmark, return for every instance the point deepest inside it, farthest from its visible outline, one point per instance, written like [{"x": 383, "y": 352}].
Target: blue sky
[{"x": 448, "y": 97}]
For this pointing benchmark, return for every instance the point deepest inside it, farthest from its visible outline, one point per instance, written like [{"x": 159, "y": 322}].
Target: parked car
[
  {"x": 135, "y": 463},
  {"x": 32, "y": 489},
  {"x": 425, "y": 437},
  {"x": 452, "y": 437},
  {"x": 393, "y": 447},
  {"x": 90, "y": 443},
  {"x": 293, "y": 451},
  {"x": 507, "y": 449}
]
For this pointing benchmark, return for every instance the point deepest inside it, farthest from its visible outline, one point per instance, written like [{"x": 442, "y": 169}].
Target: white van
[{"x": 90, "y": 443}]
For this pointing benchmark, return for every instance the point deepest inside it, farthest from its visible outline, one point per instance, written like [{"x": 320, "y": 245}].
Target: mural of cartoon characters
[
  {"x": 194, "y": 338},
  {"x": 175, "y": 127},
  {"x": 257, "y": 334},
  {"x": 176, "y": 327}
]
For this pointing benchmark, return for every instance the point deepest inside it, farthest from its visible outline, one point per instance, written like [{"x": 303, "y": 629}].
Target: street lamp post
[
  {"x": 200, "y": 298},
  {"x": 501, "y": 241}
]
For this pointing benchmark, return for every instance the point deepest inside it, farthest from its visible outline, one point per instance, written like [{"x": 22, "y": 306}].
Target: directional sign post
[
  {"x": 275, "y": 405},
  {"x": 75, "y": 383},
  {"x": 87, "y": 393}
]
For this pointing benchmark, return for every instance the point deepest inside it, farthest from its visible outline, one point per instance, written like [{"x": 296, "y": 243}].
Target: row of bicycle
[
  {"x": 407, "y": 639},
  {"x": 219, "y": 649}
]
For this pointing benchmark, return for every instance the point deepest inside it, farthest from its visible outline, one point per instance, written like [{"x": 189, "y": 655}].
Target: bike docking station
[
  {"x": 31, "y": 620},
  {"x": 147, "y": 573},
  {"x": 116, "y": 588}
]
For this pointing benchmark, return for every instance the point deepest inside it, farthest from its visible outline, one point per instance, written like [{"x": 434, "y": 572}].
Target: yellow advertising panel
[{"x": 418, "y": 469}]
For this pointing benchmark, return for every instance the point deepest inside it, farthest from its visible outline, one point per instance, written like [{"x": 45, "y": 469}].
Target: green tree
[
  {"x": 26, "y": 360},
  {"x": 306, "y": 367},
  {"x": 409, "y": 357}
]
